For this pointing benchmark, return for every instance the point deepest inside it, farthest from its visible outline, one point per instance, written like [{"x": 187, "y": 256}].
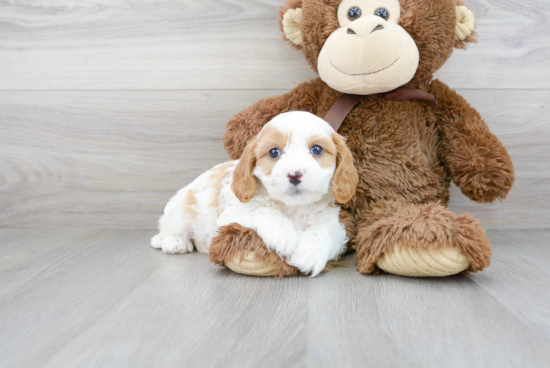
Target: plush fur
[
  {"x": 425, "y": 226},
  {"x": 405, "y": 153},
  {"x": 284, "y": 187},
  {"x": 234, "y": 239}
]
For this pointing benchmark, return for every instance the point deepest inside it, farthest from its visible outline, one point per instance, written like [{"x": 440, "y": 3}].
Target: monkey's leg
[
  {"x": 420, "y": 240},
  {"x": 243, "y": 251}
]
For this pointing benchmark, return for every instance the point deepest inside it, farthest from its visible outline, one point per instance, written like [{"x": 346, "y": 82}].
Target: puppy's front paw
[
  {"x": 173, "y": 245},
  {"x": 281, "y": 239},
  {"x": 309, "y": 257}
]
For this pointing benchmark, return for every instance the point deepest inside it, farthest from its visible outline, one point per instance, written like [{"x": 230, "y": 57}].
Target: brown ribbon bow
[{"x": 341, "y": 108}]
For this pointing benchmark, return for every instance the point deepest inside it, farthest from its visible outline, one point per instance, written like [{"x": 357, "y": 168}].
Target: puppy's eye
[
  {"x": 354, "y": 13},
  {"x": 382, "y": 13},
  {"x": 316, "y": 150},
  {"x": 274, "y": 153}
]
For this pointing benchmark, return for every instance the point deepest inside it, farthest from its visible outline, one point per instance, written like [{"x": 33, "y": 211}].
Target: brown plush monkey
[{"x": 406, "y": 153}]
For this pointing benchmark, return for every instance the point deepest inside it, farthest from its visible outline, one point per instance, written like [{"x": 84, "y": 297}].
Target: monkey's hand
[{"x": 476, "y": 160}]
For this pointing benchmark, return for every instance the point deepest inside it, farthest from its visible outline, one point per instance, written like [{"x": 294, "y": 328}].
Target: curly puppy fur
[{"x": 405, "y": 153}]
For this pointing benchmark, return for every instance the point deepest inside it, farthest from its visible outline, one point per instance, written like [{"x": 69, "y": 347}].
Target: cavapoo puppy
[{"x": 285, "y": 187}]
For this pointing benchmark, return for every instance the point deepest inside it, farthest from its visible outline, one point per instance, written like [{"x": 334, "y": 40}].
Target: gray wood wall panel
[
  {"x": 227, "y": 44},
  {"x": 108, "y": 107},
  {"x": 112, "y": 159}
]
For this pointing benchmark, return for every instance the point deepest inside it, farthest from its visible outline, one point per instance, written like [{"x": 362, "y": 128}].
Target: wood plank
[
  {"x": 22, "y": 251},
  {"x": 108, "y": 299},
  {"x": 102, "y": 156},
  {"x": 91, "y": 307},
  {"x": 123, "y": 44},
  {"x": 392, "y": 321},
  {"x": 68, "y": 290},
  {"x": 113, "y": 159},
  {"x": 227, "y": 44},
  {"x": 203, "y": 316},
  {"x": 519, "y": 256}
]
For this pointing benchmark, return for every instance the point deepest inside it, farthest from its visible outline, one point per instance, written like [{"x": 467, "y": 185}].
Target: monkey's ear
[
  {"x": 290, "y": 14},
  {"x": 465, "y": 24}
]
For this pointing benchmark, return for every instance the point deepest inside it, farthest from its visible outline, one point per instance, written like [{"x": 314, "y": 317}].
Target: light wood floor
[
  {"x": 107, "y": 108},
  {"x": 97, "y": 298}
]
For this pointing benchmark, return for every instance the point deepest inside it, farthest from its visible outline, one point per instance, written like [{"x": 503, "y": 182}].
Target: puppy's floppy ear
[
  {"x": 244, "y": 184},
  {"x": 345, "y": 178},
  {"x": 290, "y": 15}
]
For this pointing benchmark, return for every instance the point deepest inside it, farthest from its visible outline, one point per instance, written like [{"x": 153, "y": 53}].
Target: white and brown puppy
[{"x": 284, "y": 187}]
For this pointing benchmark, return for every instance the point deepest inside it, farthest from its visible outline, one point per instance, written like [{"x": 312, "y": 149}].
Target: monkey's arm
[
  {"x": 247, "y": 123},
  {"x": 475, "y": 159}
]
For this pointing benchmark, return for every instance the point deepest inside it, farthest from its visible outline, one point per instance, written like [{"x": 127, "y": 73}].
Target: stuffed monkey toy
[{"x": 410, "y": 135}]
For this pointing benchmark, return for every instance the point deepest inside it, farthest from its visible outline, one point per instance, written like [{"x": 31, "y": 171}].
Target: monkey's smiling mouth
[{"x": 364, "y": 73}]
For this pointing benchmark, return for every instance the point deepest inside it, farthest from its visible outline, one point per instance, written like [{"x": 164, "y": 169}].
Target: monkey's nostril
[
  {"x": 351, "y": 31},
  {"x": 378, "y": 28}
]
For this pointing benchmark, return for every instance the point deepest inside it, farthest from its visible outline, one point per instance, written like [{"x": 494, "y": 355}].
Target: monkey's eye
[
  {"x": 382, "y": 13},
  {"x": 274, "y": 153},
  {"x": 316, "y": 150},
  {"x": 354, "y": 13}
]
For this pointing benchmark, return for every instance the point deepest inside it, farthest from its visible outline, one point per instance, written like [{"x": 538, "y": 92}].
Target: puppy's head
[{"x": 298, "y": 158}]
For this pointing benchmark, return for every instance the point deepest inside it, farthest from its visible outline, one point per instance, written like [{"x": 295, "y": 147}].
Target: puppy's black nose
[{"x": 295, "y": 177}]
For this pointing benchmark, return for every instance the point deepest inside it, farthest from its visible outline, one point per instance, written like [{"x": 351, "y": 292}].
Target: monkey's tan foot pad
[
  {"x": 423, "y": 262},
  {"x": 241, "y": 250},
  {"x": 248, "y": 265}
]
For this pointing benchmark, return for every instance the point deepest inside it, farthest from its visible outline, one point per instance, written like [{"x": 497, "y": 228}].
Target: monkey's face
[
  {"x": 374, "y": 46},
  {"x": 369, "y": 52}
]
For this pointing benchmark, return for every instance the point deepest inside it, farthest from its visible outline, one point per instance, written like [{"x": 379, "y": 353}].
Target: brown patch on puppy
[
  {"x": 345, "y": 178},
  {"x": 244, "y": 183},
  {"x": 218, "y": 175},
  {"x": 234, "y": 239},
  {"x": 328, "y": 158},
  {"x": 190, "y": 204},
  {"x": 270, "y": 138}
]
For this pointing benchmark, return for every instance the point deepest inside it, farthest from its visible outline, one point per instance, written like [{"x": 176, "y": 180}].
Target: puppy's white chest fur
[{"x": 305, "y": 216}]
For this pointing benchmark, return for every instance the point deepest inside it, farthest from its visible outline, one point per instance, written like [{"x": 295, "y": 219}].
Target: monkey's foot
[
  {"x": 241, "y": 250},
  {"x": 423, "y": 262},
  {"x": 421, "y": 241}
]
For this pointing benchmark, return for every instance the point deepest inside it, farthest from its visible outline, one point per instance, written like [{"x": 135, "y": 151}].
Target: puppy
[{"x": 284, "y": 187}]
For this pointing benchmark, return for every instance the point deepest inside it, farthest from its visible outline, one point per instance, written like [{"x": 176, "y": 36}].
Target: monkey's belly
[{"x": 403, "y": 181}]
